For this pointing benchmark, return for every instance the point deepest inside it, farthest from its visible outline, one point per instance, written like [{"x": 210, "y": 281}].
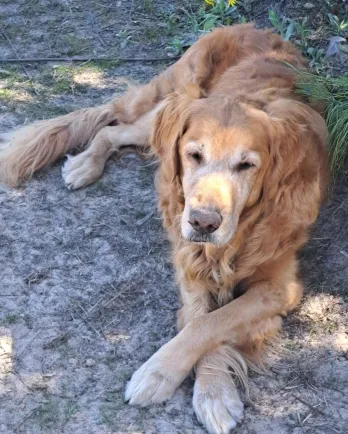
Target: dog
[{"x": 242, "y": 173}]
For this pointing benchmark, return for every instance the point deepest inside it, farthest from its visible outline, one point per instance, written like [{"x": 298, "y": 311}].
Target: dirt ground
[{"x": 87, "y": 290}]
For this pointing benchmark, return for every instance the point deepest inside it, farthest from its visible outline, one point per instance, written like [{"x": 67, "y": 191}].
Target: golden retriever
[{"x": 242, "y": 174}]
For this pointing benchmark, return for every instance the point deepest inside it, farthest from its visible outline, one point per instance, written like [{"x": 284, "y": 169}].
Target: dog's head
[{"x": 232, "y": 154}]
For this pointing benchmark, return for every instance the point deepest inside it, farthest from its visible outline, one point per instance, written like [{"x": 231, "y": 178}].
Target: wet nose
[{"x": 205, "y": 221}]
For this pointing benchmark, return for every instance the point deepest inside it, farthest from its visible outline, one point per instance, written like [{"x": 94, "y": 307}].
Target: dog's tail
[{"x": 38, "y": 145}]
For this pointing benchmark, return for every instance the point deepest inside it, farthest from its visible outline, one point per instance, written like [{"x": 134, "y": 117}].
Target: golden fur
[{"x": 230, "y": 135}]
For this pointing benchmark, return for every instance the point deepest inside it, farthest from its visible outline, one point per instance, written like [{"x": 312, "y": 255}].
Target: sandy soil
[{"x": 87, "y": 290}]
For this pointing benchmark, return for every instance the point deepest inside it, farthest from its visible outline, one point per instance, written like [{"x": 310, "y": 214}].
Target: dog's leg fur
[
  {"x": 241, "y": 323},
  {"x": 215, "y": 396},
  {"x": 87, "y": 167}
]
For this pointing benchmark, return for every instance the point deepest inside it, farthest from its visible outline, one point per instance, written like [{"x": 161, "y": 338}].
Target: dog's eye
[
  {"x": 196, "y": 156},
  {"x": 245, "y": 165}
]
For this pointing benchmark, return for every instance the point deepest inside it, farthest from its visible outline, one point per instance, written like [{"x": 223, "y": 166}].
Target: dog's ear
[
  {"x": 169, "y": 126},
  {"x": 296, "y": 179},
  {"x": 297, "y": 169}
]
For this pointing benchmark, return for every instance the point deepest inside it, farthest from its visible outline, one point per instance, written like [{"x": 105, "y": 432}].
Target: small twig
[
  {"x": 344, "y": 253},
  {"x": 83, "y": 320},
  {"x": 91, "y": 19},
  {"x": 88, "y": 59},
  {"x": 28, "y": 344},
  {"x": 64, "y": 335},
  {"x": 145, "y": 219},
  {"x": 306, "y": 418},
  {"x": 15, "y": 373},
  {"x": 28, "y": 417},
  {"x": 314, "y": 410},
  {"x": 87, "y": 321}
]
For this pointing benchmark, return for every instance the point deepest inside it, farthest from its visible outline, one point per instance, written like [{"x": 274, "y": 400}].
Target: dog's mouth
[
  {"x": 199, "y": 238},
  {"x": 218, "y": 238}
]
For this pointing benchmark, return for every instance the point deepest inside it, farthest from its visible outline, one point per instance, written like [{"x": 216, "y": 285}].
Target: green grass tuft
[{"x": 333, "y": 92}]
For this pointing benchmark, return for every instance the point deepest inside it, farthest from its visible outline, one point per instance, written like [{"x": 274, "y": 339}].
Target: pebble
[
  {"x": 73, "y": 361},
  {"x": 90, "y": 362},
  {"x": 88, "y": 231}
]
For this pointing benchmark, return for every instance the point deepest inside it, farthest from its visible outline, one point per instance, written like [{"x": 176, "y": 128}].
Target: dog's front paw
[
  {"x": 153, "y": 383},
  {"x": 81, "y": 170},
  {"x": 217, "y": 405}
]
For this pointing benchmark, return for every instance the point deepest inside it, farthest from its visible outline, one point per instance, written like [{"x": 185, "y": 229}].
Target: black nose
[{"x": 205, "y": 221}]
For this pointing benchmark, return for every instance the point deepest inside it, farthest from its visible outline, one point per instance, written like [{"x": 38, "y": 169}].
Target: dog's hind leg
[
  {"x": 86, "y": 167},
  {"x": 36, "y": 146}
]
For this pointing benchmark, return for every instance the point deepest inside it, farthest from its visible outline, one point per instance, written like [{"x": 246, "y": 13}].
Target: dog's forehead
[{"x": 217, "y": 141}]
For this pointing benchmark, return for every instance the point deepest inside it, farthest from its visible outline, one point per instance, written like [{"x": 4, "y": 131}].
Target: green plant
[
  {"x": 339, "y": 26},
  {"x": 333, "y": 92},
  {"x": 285, "y": 26},
  {"x": 299, "y": 33},
  {"x": 213, "y": 14},
  {"x": 148, "y": 6},
  {"x": 302, "y": 32},
  {"x": 150, "y": 33},
  {"x": 172, "y": 22},
  {"x": 175, "y": 47},
  {"x": 75, "y": 45},
  {"x": 63, "y": 79},
  {"x": 7, "y": 94},
  {"x": 316, "y": 55}
]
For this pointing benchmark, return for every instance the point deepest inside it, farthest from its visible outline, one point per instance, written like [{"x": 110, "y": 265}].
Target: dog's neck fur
[{"x": 215, "y": 267}]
